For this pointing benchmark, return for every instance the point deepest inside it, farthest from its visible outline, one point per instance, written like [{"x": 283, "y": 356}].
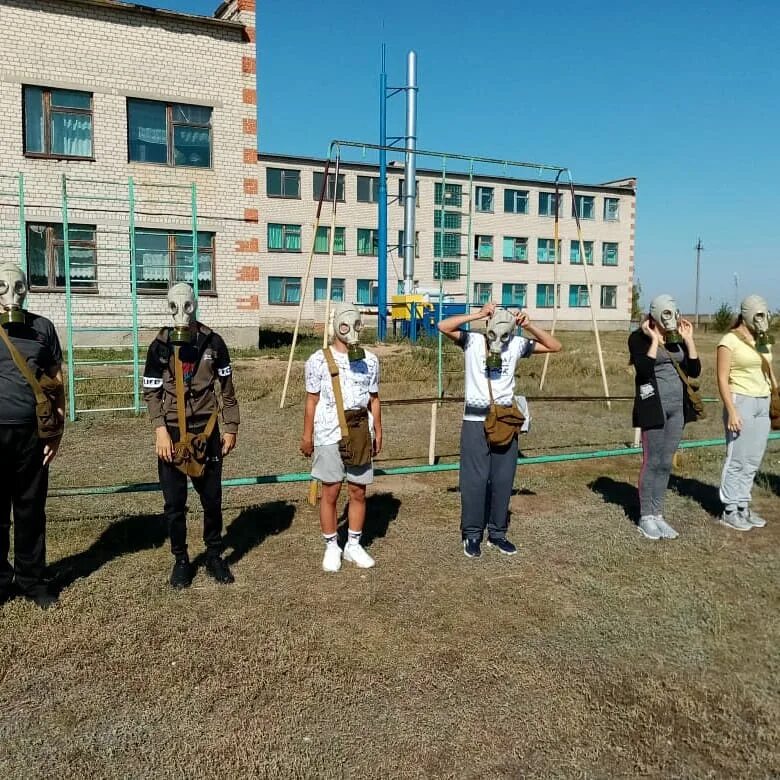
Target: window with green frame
[
  {"x": 578, "y": 296},
  {"x": 483, "y": 247},
  {"x": 513, "y": 294},
  {"x": 609, "y": 253},
  {"x": 574, "y": 253},
  {"x": 284, "y": 238},
  {"x": 483, "y": 292},
  {"x": 368, "y": 189},
  {"x": 367, "y": 242},
  {"x": 317, "y": 186},
  {"x": 515, "y": 201},
  {"x": 545, "y": 250},
  {"x": 608, "y": 296},
  {"x": 446, "y": 244},
  {"x": 322, "y": 241},
  {"x": 416, "y": 243},
  {"x": 446, "y": 269},
  {"x": 163, "y": 258},
  {"x": 321, "y": 289},
  {"x": 611, "y": 209},
  {"x": 451, "y": 220},
  {"x": 57, "y": 122},
  {"x": 284, "y": 290},
  {"x": 515, "y": 249},
  {"x": 547, "y": 204},
  {"x": 282, "y": 183},
  {"x": 483, "y": 199},
  {"x": 545, "y": 296},
  {"x": 453, "y": 194},
  {"x": 586, "y": 206},
  {"x": 366, "y": 292}
]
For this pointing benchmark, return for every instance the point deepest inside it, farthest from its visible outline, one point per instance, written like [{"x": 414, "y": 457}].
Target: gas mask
[
  {"x": 663, "y": 309},
  {"x": 182, "y": 306},
  {"x": 346, "y": 325},
  {"x": 755, "y": 315},
  {"x": 500, "y": 328},
  {"x": 13, "y": 291}
]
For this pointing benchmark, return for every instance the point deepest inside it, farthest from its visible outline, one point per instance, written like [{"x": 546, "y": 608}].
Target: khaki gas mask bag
[{"x": 502, "y": 423}]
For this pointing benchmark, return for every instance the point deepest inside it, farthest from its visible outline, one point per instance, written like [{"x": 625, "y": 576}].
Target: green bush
[{"x": 723, "y": 318}]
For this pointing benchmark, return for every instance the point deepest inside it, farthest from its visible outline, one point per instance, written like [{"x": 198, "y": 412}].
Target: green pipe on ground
[{"x": 304, "y": 476}]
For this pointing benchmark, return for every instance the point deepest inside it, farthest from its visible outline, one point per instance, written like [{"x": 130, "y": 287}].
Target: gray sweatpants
[
  {"x": 744, "y": 450},
  {"x": 658, "y": 448},
  {"x": 486, "y": 479}
]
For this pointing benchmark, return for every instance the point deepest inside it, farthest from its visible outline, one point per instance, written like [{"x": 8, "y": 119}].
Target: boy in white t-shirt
[
  {"x": 487, "y": 473},
  {"x": 358, "y": 374}
]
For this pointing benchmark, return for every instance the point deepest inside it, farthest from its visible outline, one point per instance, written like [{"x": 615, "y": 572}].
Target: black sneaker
[
  {"x": 218, "y": 570},
  {"x": 502, "y": 545},
  {"x": 471, "y": 548},
  {"x": 6, "y": 596},
  {"x": 42, "y": 597},
  {"x": 181, "y": 574}
]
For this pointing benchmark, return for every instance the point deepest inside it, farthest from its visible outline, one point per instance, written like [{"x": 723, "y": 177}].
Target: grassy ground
[{"x": 593, "y": 653}]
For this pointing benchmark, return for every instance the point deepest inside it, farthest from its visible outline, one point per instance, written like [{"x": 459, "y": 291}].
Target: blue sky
[{"x": 682, "y": 95}]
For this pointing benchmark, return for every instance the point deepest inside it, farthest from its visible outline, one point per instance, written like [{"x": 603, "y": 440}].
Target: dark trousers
[
  {"x": 208, "y": 487},
  {"x": 486, "y": 478},
  {"x": 24, "y": 482}
]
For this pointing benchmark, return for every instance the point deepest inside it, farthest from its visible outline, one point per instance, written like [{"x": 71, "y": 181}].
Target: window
[
  {"x": 513, "y": 294},
  {"x": 368, "y": 189},
  {"x": 322, "y": 241},
  {"x": 483, "y": 247},
  {"x": 284, "y": 290},
  {"x": 574, "y": 253},
  {"x": 416, "y": 243},
  {"x": 317, "y": 188},
  {"x": 284, "y": 238},
  {"x": 57, "y": 122},
  {"x": 516, "y": 201},
  {"x": 547, "y": 204},
  {"x": 586, "y": 206},
  {"x": 46, "y": 257},
  {"x": 282, "y": 183},
  {"x": 321, "y": 289},
  {"x": 515, "y": 250},
  {"x": 446, "y": 244},
  {"x": 450, "y": 219},
  {"x": 446, "y": 269},
  {"x": 169, "y": 133},
  {"x": 545, "y": 250},
  {"x": 578, "y": 296},
  {"x": 402, "y": 191},
  {"x": 608, "y": 296},
  {"x": 545, "y": 296},
  {"x": 484, "y": 199},
  {"x": 366, "y": 292},
  {"x": 483, "y": 292},
  {"x": 163, "y": 258},
  {"x": 609, "y": 253},
  {"x": 453, "y": 195},
  {"x": 611, "y": 209},
  {"x": 368, "y": 242}
]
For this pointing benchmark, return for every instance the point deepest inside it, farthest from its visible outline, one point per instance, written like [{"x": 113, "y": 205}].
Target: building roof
[
  {"x": 159, "y": 13},
  {"x": 625, "y": 186}
]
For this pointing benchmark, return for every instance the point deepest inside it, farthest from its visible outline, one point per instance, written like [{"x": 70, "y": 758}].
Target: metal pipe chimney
[{"x": 410, "y": 172}]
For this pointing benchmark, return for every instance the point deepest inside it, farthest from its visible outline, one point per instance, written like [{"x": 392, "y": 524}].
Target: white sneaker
[
  {"x": 648, "y": 527},
  {"x": 667, "y": 532},
  {"x": 354, "y": 553},
  {"x": 755, "y": 520},
  {"x": 332, "y": 558},
  {"x": 735, "y": 520}
]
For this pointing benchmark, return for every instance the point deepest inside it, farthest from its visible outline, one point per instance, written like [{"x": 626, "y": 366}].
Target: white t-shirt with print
[
  {"x": 358, "y": 380},
  {"x": 502, "y": 381}
]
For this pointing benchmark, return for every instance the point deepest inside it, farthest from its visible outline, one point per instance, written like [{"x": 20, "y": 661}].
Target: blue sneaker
[
  {"x": 471, "y": 548},
  {"x": 502, "y": 545}
]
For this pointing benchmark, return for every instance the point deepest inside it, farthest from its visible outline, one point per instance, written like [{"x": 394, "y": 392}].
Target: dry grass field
[{"x": 593, "y": 653}]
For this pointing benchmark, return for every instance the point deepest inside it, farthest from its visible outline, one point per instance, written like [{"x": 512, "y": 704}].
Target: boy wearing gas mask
[
  {"x": 25, "y": 455},
  {"x": 342, "y": 386},
  {"x": 662, "y": 352},
  {"x": 190, "y": 361},
  {"x": 745, "y": 380},
  {"x": 487, "y": 472}
]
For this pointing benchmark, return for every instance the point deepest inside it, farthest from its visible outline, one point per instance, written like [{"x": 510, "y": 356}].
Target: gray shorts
[{"x": 327, "y": 466}]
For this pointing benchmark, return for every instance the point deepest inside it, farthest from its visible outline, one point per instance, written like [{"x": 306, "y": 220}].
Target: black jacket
[{"x": 648, "y": 412}]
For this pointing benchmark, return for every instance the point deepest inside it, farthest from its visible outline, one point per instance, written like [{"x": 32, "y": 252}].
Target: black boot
[
  {"x": 181, "y": 574},
  {"x": 42, "y": 597},
  {"x": 218, "y": 570}
]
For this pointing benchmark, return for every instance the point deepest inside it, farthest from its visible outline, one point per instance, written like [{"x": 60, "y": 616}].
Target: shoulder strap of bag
[
  {"x": 766, "y": 368},
  {"x": 334, "y": 380},
  {"x": 178, "y": 371},
  {"x": 21, "y": 364},
  {"x": 487, "y": 373}
]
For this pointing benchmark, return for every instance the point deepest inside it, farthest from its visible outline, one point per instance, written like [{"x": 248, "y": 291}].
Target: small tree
[
  {"x": 723, "y": 318},
  {"x": 636, "y": 295}
]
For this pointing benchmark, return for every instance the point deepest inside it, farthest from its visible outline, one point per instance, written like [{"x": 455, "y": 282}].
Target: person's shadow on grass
[
  {"x": 381, "y": 510},
  {"x": 622, "y": 494},
  {"x": 705, "y": 495},
  {"x": 769, "y": 481}
]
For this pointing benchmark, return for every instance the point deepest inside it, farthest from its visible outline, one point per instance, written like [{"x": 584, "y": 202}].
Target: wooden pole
[
  {"x": 432, "y": 436},
  {"x": 556, "y": 302}
]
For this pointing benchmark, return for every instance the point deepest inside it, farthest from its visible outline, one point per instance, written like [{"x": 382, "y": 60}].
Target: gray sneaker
[
  {"x": 648, "y": 527},
  {"x": 735, "y": 520},
  {"x": 751, "y": 517},
  {"x": 667, "y": 532}
]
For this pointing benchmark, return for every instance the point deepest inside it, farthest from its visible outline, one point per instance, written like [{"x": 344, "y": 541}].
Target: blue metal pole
[{"x": 381, "y": 298}]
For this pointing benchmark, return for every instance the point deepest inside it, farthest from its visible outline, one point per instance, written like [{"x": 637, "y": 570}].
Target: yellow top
[{"x": 746, "y": 375}]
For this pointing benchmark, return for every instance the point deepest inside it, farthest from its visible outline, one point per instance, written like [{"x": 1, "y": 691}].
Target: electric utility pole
[{"x": 699, "y": 246}]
